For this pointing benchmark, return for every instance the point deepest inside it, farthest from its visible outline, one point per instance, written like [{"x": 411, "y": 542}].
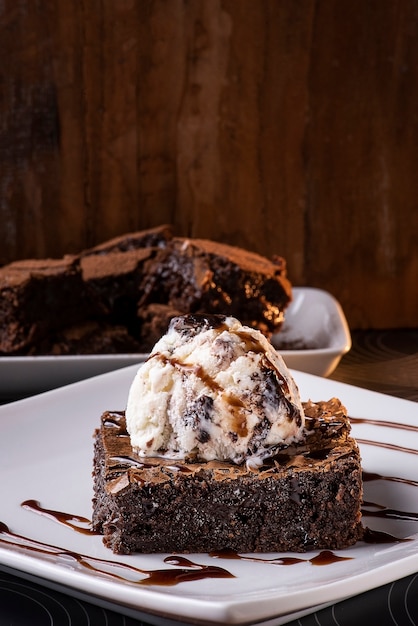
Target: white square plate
[
  {"x": 46, "y": 450},
  {"x": 315, "y": 325}
]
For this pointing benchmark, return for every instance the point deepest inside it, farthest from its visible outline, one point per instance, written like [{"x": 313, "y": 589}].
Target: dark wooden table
[{"x": 383, "y": 361}]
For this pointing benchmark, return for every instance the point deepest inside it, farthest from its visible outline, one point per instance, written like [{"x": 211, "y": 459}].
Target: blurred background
[{"x": 281, "y": 126}]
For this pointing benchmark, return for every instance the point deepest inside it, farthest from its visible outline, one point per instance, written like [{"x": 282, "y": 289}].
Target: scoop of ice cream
[{"x": 213, "y": 389}]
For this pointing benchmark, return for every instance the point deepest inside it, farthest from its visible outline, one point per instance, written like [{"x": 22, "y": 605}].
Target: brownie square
[{"x": 307, "y": 497}]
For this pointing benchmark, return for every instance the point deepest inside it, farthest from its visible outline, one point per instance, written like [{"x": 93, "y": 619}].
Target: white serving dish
[
  {"x": 46, "y": 451},
  {"x": 316, "y": 326},
  {"x": 314, "y": 319}
]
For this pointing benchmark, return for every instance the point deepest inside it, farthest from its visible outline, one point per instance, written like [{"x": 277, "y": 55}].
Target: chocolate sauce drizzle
[
  {"x": 389, "y": 424},
  {"x": 388, "y": 446},
  {"x": 371, "y": 476},
  {"x": 371, "y": 536},
  {"x": 325, "y": 557},
  {"x": 75, "y": 522},
  {"x": 378, "y": 510},
  {"x": 373, "y": 422},
  {"x": 186, "y": 572}
]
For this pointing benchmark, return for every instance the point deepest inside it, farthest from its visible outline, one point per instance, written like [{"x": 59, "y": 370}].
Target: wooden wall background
[{"x": 283, "y": 126}]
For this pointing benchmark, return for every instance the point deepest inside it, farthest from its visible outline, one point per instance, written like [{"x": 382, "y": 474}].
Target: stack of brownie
[{"x": 119, "y": 297}]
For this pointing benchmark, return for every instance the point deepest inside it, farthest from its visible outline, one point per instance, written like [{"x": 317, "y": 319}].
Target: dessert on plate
[{"x": 216, "y": 451}]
